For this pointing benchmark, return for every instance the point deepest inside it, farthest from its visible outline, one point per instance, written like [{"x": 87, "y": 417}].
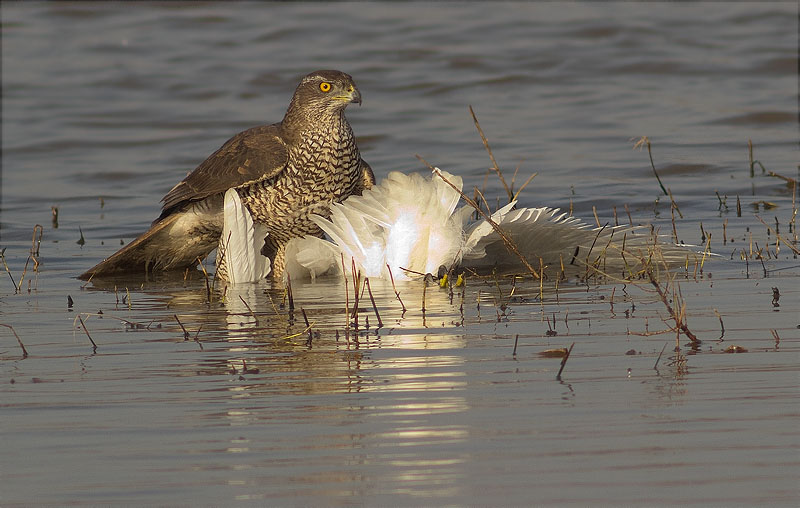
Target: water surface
[{"x": 106, "y": 106}]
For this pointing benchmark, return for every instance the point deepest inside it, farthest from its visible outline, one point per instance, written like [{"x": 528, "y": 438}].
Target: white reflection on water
[{"x": 397, "y": 413}]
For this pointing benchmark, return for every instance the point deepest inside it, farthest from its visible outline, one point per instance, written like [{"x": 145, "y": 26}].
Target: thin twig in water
[
  {"x": 197, "y": 337},
  {"x": 514, "y": 353},
  {"x": 564, "y": 361},
  {"x": 628, "y": 211},
  {"x": 674, "y": 203},
  {"x": 308, "y": 327},
  {"x": 346, "y": 303},
  {"x": 516, "y": 194},
  {"x": 34, "y": 253},
  {"x": 185, "y": 333},
  {"x": 356, "y": 292},
  {"x": 249, "y": 309},
  {"x": 289, "y": 292},
  {"x": 205, "y": 274},
  {"x": 300, "y": 332},
  {"x": 775, "y": 335},
  {"x": 424, "y": 290},
  {"x": 721, "y": 325},
  {"x": 396, "y": 293},
  {"x": 644, "y": 140},
  {"x": 659, "y": 355},
  {"x": 372, "y": 299},
  {"x": 788, "y": 244},
  {"x": 679, "y": 323},
  {"x": 94, "y": 346},
  {"x": 3, "y": 257},
  {"x": 753, "y": 162},
  {"x": 21, "y": 345}
]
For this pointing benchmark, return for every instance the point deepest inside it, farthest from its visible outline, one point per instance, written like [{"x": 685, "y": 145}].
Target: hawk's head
[{"x": 325, "y": 92}]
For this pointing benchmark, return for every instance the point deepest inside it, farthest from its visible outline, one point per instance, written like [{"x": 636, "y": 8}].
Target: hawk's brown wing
[{"x": 251, "y": 155}]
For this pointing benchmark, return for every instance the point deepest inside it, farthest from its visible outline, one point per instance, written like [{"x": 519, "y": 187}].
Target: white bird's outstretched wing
[{"x": 546, "y": 237}]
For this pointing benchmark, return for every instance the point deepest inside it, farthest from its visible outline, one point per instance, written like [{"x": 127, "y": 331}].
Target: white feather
[{"x": 239, "y": 257}]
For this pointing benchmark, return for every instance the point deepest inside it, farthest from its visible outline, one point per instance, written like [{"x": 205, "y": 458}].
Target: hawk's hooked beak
[
  {"x": 351, "y": 95},
  {"x": 355, "y": 96}
]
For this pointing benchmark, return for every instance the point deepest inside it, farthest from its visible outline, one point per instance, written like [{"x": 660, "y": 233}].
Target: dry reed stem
[
  {"x": 396, "y": 293},
  {"x": 494, "y": 167},
  {"x": 185, "y": 333},
  {"x": 779, "y": 237},
  {"x": 674, "y": 203},
  {"x": 346, "y": 302},
  {"x": 674, "y": 228},
  {"x": 289, "y": 293},
  {"x": 3, "y": 257},
  {"x": 483, "y": 198},
  {"x": 94, "y": 346},
  {"x": 34, "y": 253},
  {"x": 721, "y": 325},
  {"x": 21, "y": 345},
  {"x": 645, "y": 141},
  {"x": 372, "y": 299},
  {"x": 90, "y": 280},
  {"x": 790, "y": 182},
  {"x": 250, "y": 310},
  {"x": 792, "y": 223},
  {"x": 541, "y": 281},
  {"x": 132, "y": 324},
  {"x": 655, "y": 366},
  {"x": 24, "y": 271},
  {"x": 680, "y": 325},
  {"x": 274, "y": 307},
  {"x": 308, "y": 327},
  {"x": 628, "y": 211},
  {"x": 424, "y": 291},
  {"x": 753, "y": 161},
  {"x": 516, "y": 194},
  {"x": 564, "y": 361},
  {"x": 356, "y": 290},
  {"x": 205, "y": 274}
]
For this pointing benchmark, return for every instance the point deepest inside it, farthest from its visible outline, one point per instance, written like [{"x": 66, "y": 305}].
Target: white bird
[{"x": 409, "y": 224}]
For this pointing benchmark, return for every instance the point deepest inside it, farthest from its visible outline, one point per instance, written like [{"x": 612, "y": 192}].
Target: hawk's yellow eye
[{"x": 325, "y": 86}]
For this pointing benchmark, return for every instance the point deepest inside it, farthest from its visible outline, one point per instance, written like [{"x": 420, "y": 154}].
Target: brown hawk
[{"x": 283, "y": 173}]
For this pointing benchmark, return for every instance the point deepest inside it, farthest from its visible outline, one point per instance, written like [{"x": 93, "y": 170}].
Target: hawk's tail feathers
[{"x": 174, "y": 242}]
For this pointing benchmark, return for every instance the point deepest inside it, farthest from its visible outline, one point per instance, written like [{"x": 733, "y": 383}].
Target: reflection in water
[{"x": 387, "y": 406}]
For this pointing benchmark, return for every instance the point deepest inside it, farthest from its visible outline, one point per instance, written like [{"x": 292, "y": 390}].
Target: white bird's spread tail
[
  {"x": 410, "y": 224},
  {"x": 408, "y": 221}
]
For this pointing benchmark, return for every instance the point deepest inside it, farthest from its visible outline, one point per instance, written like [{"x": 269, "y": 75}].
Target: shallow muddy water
[{"x": 186, "y": 402}]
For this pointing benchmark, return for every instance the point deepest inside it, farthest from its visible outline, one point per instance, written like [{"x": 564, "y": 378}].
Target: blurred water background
[{"x": 105, "y": 106}]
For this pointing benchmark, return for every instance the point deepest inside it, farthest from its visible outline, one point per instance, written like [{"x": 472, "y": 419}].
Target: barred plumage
[{"x": 283, "y": 173}]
